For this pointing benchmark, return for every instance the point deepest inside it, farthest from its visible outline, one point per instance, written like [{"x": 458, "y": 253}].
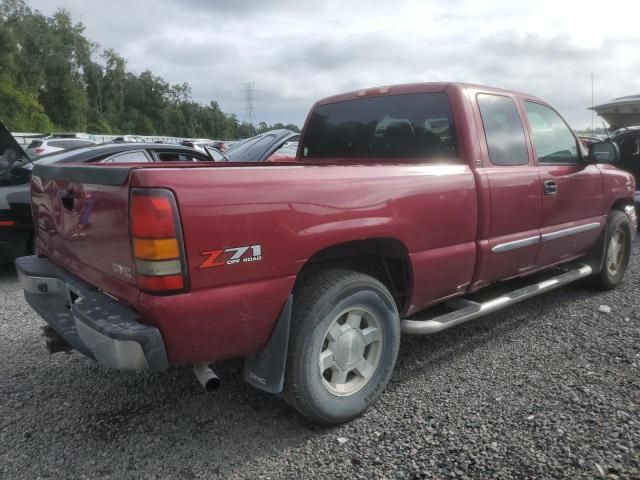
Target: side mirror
[{"x": 604, "y": 152}]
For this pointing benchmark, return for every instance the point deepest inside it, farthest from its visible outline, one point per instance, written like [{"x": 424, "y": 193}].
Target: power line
[
  {"x": 249, "y": 99},
  {"x": 592, "y": 112}
]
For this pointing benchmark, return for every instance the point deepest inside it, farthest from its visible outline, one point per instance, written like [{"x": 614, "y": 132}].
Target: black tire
[
  {"x": 318, "y": 305},
  {"x": 618, "y": 226}
]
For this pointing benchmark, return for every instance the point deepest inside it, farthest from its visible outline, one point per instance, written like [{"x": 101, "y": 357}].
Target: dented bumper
[{"x": 92, "y": 322}]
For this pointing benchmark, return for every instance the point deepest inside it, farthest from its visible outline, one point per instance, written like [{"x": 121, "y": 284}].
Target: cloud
[{"x": 297, "y": 52}]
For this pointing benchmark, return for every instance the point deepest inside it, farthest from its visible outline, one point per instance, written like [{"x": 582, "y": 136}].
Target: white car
[{"x": 49, "y": 145}]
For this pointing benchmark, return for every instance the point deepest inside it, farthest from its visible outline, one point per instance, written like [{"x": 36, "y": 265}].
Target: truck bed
[{"x": 291, "y": 212}]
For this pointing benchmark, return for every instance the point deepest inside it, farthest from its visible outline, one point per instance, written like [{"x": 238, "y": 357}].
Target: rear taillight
[
  {"x": 157, "y": 241},
  {"x": 7, "y": 223},
  {"x": 38, "y": 150}
]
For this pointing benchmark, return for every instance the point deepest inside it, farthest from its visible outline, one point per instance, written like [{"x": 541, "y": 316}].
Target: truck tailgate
[{"x": 81, "y": 215}]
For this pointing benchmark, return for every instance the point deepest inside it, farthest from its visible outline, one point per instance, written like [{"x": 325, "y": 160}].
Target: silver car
[{"x": 49, "y": 145}]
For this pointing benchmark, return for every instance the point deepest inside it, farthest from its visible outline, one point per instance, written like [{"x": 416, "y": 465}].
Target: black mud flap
[
  {"x": 265, "y": 370},
  {"x": 596, "y": 258}
]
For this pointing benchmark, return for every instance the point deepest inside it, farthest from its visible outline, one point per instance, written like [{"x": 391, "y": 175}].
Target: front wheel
[
  {"x": 617, "y": 252},
  {"x": 344, "y": 341}
]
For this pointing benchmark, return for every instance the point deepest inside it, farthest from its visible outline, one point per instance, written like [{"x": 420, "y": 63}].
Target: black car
[
  {"x": 16, "y": 225},
  {"x": 258, "y": 148},
  {"x": 628, "y": 141}
]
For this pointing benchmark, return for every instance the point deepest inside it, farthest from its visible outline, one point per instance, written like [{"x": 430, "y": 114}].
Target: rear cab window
[{"x": 408, "y": 127}]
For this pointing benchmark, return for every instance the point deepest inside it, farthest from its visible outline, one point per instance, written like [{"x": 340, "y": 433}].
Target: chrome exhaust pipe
[{"x": 207, "y": 378}]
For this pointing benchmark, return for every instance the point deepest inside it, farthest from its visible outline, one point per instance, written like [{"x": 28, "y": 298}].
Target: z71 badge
[{"x": 231, "y": 256}]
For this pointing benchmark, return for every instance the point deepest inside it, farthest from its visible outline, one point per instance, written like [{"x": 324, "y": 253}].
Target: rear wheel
[
  {"x": 617, "y": 252},
  {"x": 344, "y": 341}
]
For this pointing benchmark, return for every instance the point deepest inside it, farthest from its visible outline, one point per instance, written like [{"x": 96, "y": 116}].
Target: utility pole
[
  {"x": 592, "y": 112},
  {"x": 249, "y": 99}
]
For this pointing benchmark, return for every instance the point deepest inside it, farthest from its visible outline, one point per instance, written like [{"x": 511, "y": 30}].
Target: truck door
[
  {"x": 572, "y": 214},
  {"x": 510, "y": 187}
]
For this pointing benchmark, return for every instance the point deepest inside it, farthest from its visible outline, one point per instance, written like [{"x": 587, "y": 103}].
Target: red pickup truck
[{"x": 401, "y": 198}]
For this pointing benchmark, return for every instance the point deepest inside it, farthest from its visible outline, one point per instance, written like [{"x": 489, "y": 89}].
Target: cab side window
[
  {"x": 552, "y": 138},
  {"x": 503, "y": 130}
]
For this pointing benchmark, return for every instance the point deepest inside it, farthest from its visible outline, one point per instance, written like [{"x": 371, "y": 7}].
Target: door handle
[{"x": 550, "y": 187}]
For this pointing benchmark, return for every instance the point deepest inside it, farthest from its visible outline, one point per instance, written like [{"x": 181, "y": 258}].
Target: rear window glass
[{"x": 417, "y": 127}]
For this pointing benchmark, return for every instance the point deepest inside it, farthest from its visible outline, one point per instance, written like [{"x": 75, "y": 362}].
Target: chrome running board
[{"x": 466, "y": 310}]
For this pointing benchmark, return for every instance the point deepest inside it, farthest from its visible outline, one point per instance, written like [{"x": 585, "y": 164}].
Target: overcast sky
[{"x": 299, "y": 51}]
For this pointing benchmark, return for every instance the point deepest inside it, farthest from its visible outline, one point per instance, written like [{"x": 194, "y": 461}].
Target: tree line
[{"x": 53, "y": 78}]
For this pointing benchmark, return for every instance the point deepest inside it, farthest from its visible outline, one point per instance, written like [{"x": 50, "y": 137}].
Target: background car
[
  {"x": 587, "y": 140},
  {"x": 258, "y": 148},
  {"x": 286, "y": 153},
  {"x": 628, "y": 141},
  {"x": 44, "y": 146},
  {"x": 128, "y": 139},
  {"x": 198, "y": 145},
  {"x": 220, "y": 145},
  {"x": 16, "y": 224}
]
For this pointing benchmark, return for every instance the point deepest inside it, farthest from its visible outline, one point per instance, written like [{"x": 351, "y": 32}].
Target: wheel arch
[
  {"x": 630, "y": 207},
  {"x": 596, "y": 258},
  {"x": 621, "y": 203},
  {"x": 384, "y": 258}
]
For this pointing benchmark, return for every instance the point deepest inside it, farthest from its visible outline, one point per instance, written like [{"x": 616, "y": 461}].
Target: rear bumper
[{"x": 89, "y": 320}]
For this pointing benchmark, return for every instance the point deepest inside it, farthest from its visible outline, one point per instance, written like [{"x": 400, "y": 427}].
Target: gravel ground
[{"x": 547, "y": 389}]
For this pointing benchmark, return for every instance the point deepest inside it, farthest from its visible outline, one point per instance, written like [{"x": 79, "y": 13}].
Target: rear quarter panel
[{"x": 292, "y": 212}]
